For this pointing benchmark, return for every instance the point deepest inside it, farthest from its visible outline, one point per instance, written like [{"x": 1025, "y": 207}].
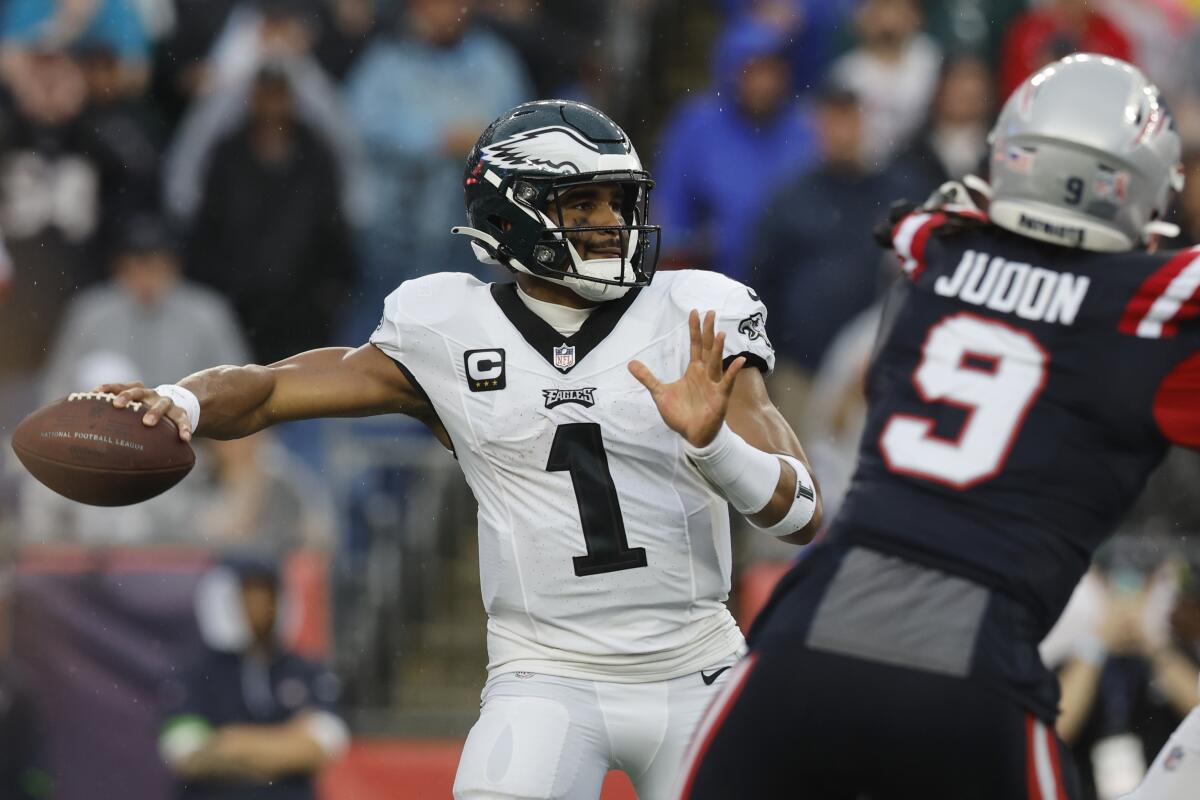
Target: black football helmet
[{"x": 518, "y": 171}]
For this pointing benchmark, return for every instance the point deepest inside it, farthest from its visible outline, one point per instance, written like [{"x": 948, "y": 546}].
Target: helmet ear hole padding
[{"x": 525, "y": 192}]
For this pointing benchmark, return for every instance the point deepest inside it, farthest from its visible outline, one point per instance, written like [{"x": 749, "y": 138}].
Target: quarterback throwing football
[{"x": 603, "y": 422}]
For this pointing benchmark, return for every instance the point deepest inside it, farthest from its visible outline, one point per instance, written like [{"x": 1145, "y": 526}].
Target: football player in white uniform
[
  {"x": 603, "y": 422},
  {"x": 1175, "y": 773}
]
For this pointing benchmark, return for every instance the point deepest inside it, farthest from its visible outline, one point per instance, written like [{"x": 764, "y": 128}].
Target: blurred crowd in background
[{"x": 185, "y": 183}]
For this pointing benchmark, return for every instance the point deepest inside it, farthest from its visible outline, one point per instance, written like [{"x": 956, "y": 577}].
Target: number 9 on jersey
[{"x": 991, "y": 370}]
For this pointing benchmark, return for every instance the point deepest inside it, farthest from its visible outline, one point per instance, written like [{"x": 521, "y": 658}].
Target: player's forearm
[
  {"x": 209, "y": 765},
  {"x": 762, "y": 481},
  {"x": 1077, "y": 682},
  {"x": 781, "y": 502},
  {"x": 759, "y": 422},
  {"x": 274, "y": 751},
  {"x": 327, "y": 382},
  {"x": 234, "y": 401},
  {"x": 1175, "y": 676}
]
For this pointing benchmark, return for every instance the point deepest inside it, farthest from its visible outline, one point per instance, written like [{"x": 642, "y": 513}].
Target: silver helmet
[{"x": 1084, "y": 154}]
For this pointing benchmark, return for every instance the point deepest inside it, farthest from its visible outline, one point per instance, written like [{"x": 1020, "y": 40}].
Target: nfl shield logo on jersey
[{"x": 564, "y": 356}]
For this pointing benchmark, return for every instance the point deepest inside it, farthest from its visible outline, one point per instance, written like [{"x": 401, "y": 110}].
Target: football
[{"x": 88, "y": 450}]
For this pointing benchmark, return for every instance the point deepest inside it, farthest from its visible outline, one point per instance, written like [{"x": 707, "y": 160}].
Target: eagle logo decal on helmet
[{"x": 550, "y": 149}]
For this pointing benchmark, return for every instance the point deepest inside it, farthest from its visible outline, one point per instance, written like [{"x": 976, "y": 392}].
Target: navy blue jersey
[
  {"x": 1020, "y": 396},
  {"x": 231, "y": 689}
]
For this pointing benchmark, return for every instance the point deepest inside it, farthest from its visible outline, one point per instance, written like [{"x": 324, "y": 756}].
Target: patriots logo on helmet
[{"x": 550, "y": 149}]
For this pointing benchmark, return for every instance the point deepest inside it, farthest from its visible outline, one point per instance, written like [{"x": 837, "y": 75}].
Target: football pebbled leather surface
[{"x": 88, "y": 450}]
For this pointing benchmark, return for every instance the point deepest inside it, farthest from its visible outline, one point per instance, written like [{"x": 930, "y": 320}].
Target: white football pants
[
  {"x": 1175, "y": 774},
  {"x": 541, "y": 737}
]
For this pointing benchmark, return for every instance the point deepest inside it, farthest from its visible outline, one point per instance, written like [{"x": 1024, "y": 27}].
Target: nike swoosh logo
[
  {"x": 753, "y": 296},
  {"x": 708, "y": 679}
]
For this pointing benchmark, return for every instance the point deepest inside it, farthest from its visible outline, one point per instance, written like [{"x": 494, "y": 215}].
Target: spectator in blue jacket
[
  {"x": 813, "y": 255},
  {"x": 813, "y": 28},
  {"x": 723, "y": 153},
  {"x": 112, "y": 25},
  {"x": 420, "y": 98}
]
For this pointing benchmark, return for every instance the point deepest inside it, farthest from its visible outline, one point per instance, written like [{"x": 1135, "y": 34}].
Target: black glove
[{"x": 882, "y": 232}]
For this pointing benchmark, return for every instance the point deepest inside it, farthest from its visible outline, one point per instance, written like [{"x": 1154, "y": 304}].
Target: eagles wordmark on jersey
[{"x": 603, "y": 554}]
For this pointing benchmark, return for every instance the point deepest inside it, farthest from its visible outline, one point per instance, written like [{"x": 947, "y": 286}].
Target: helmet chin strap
[
  {"x": 587, "y": 289},
  {"x": 606, "y": 269},
  {"x": 590, "y": 290},
  {"x": 594, "y": 290}
]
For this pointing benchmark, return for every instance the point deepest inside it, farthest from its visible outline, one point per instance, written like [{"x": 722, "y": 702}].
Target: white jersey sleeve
[
  {"x": 741, "y": 314},
  {"x": 397, "y": 335},
  {"x": 409, "y": 330},
  {"x": 1175, "y": 773}
]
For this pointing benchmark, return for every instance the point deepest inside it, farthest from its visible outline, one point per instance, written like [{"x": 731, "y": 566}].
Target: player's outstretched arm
[
  {"x": 238, "y": 401},
  {"x": 736, "y": 437},
  {"x": 756, "y": 419}
]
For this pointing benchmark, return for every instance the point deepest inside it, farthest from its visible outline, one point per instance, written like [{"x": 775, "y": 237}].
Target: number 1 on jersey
[{"x": 578, "y": 448}]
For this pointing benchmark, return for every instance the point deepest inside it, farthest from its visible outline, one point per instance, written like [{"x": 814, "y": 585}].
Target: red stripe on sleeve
[
  {"x": 966, "y": 211},
  {"x": 1177, "y": 403},
  {"x": 1031, "y": 776},
  {"x": 1189, "y": 309},
  {"x": 918, "y": 244},
  {"x": 1052, "y": 745},
  {"x": 1152, "y": 289}
]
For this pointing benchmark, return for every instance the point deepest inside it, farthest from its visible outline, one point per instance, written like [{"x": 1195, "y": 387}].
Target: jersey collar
[{"x": 545, "y": 340}]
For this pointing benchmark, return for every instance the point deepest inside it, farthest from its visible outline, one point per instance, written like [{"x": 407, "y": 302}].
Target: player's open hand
[
  {"x": 156, "y": 406},
  {"x": 694, "y": 406}
]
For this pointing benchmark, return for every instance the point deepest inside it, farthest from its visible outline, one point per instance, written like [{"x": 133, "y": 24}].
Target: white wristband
[
  {"x": 329, "y": 732},
  {"x": 1090, "y": 649},
  {"x": 185, "y": 399},
  {"x": 740, "y": 472},
  {"x": 803, "y": 506}
]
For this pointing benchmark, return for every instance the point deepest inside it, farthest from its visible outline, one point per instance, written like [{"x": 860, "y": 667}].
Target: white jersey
[{"x": 603, "y": 554}]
